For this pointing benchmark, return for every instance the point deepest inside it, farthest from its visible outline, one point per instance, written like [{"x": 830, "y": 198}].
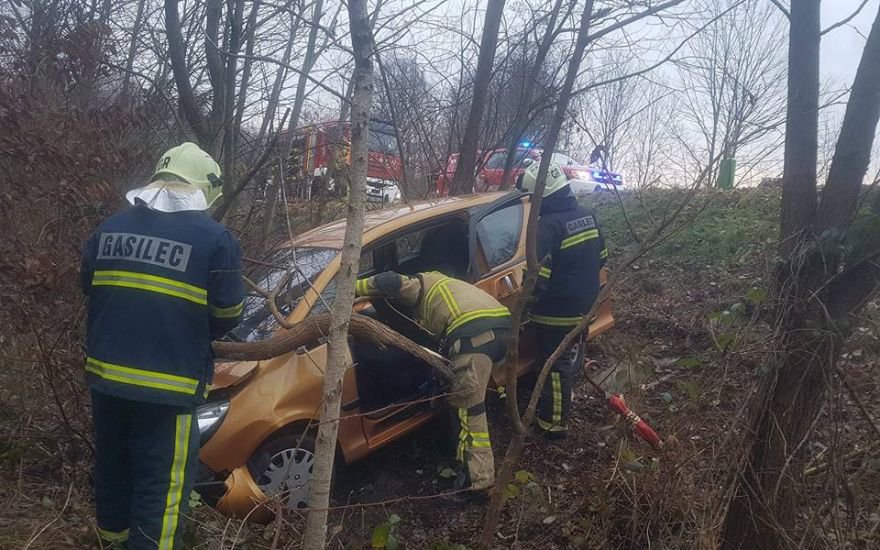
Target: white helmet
[
  {"x": 186, "y": 178},
  {"x": 556, "y": 179}
]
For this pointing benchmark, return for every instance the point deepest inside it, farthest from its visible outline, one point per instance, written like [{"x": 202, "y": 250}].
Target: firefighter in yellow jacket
[{"x": 471, "y": 328}]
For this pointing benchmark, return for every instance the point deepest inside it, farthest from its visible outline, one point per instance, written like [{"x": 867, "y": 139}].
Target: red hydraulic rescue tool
[{"x": 618, "y": 405}]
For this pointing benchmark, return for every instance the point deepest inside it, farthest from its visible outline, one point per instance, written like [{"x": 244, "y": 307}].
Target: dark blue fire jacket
[
  {"x": 161, "y": 286},
  {"x": 568, "y": 282}
]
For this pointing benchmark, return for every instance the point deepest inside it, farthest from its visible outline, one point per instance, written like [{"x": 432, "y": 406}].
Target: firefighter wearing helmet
[
  {"x": 471, "y": 328},
  {"x": 163, "y": 280},
  {"x": 572, "y": 250}
]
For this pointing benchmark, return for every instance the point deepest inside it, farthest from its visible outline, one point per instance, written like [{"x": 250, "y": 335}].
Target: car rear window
[{"x": 304, "y": 264}]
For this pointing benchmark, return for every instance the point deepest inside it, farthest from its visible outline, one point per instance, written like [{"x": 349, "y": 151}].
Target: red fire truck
[{"x": 311, "y": 153}]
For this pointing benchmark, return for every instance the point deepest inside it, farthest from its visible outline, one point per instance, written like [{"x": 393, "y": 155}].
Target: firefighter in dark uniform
[
  {"x": 572, "y": 249},
  {"x": 163, "y": 280},
  {"x": 471, "y": 328}
]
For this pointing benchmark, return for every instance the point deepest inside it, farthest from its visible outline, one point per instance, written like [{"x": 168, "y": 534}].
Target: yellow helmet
[
  {"x": 556, "y": 179},
  {"x": 190, "y": 164}
]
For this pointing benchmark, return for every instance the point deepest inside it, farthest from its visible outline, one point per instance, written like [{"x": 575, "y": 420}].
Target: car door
[
  {"x": 498, "y": 261},
  {"x": 497, "y": 247}
]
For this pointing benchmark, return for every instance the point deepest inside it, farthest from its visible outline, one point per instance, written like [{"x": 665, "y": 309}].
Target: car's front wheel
[{"x": 283, "y": 468}]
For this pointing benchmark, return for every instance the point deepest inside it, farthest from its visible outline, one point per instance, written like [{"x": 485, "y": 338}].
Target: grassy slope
[{"x": 720, "y": 229}]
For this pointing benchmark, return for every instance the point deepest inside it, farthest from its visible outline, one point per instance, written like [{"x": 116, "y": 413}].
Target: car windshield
[
  {"x": 382, "y": 138},
  {"x": 304, "y": 266}
]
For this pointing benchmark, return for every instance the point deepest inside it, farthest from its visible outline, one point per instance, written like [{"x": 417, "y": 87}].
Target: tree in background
[
  {"x": 463, "y": 179},
  {"x": 731, "y": 86},
  {"x": 829, "y": 248}
]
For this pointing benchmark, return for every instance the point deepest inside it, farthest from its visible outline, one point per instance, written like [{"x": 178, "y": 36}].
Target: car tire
[
  {"x": 283, "y": 466},
  {"x": 598, "y": 189}
]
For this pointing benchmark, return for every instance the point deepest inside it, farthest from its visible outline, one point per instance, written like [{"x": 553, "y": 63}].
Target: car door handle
[{"x": 508, "y": 284}]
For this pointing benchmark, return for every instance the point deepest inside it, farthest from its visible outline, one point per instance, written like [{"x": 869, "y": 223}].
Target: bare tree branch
[
  {"x": 846, "y": 20},
  {"x": 782, "y": 8}
]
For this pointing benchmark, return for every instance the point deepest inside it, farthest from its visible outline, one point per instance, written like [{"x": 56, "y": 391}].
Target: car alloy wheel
[{"x": 288, "y": 473}]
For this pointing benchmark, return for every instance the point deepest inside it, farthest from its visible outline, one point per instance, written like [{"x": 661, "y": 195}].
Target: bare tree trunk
[
  {"x": 522, "y": 115},
  {"x": 853, "y": 152},
  {"x": 241, "y": 98},
  {"x": 338, "y": 354},
  {"x": 511, "y": 457},
  {"x": 802, "y": 123},
  {"x": 463, "y": 180},
  {"x": 272, "y": 191},
  {"x": 213, "y": 15},
  {"x": 519, "y": 311},
  {"x": 308, "y": 61},
  {"x": 397, "y": 130},
  {"x": 280, "y": 74},
  {"x": 235, "y": 16},
  {"x": 752, "y": 519},
  {"x": 334, "y": 137},
  {"x": 132, "y": 49},
  {"x": 177, "y": 54},
  {"x": 817, "y": 290}
]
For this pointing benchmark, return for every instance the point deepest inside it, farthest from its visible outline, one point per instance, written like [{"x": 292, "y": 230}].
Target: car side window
[
  {"x": 366, "y": 264},
  {"x": 498, "y": 234},
  {"x": 408, "y": 246}
]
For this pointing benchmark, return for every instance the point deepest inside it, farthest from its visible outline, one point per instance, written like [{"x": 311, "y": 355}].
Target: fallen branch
[
  {"x": 305, "y": 333},
  {"x": 819, "y": 468},
  {"x": 271, "y": 296}
]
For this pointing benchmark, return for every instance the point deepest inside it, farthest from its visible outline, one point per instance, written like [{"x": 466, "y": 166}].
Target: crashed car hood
[{"x": 232, "y": 373}]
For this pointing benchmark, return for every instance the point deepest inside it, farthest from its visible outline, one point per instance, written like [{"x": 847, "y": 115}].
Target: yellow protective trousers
[{"x": 472, "y": 359}]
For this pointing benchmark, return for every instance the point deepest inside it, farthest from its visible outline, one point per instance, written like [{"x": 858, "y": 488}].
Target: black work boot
[
  {"x": 550, "y": 435},
  {"x": 462, "y": 491}
]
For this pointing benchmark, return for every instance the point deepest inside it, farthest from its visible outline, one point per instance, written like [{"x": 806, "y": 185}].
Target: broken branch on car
[{"x": 302, "y": 334}]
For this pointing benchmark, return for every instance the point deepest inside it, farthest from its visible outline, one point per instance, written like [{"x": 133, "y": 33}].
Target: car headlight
[{"x": 209, "y": 417}]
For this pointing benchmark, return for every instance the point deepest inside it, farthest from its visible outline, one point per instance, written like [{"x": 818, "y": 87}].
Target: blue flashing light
[
  {"x": 526, "y": 144},
  {"x": 597, "y": 175}
]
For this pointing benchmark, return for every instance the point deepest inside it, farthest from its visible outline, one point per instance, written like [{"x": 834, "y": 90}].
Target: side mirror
[{"x": 527, "y": 161}]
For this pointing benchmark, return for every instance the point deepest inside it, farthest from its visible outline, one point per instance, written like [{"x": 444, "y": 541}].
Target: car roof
[{"x": 380, "y": 222}]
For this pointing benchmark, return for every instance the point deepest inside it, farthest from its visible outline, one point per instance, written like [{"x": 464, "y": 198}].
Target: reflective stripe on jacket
[
  {"x": 161, "y": 286},
  {"x": 447, "y": 308},
  {"x": 568, "y": 282}
]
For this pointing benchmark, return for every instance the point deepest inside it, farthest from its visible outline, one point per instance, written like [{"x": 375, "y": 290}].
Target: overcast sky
[{"x": 842, "y": 48}]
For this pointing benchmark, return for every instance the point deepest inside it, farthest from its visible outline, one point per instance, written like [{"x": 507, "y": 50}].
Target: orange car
[{"x": 256, "y": 440}]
